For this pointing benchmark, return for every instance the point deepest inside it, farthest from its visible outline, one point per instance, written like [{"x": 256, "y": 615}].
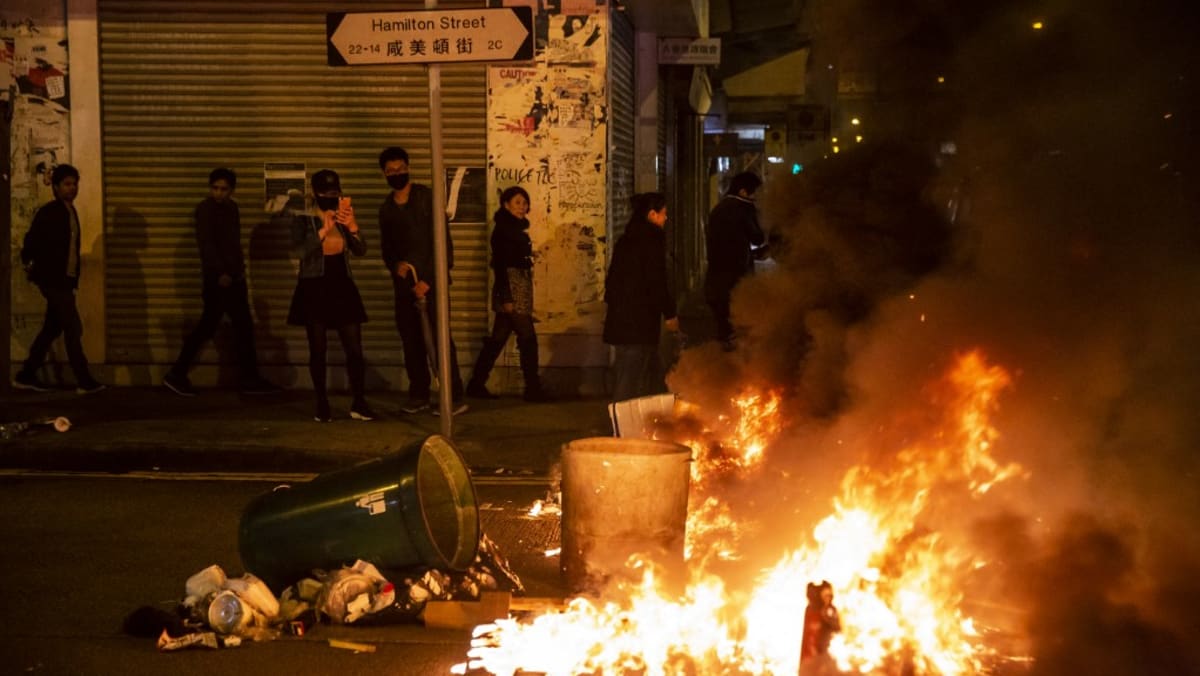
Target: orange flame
[{"x": 894, "y": 576}]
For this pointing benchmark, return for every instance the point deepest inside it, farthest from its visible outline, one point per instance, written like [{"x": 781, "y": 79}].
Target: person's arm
[
  {"x": 306, "y": 234},
  {"x": 660, "y": 285},
  {"x": 33, "y": 247},
  {"x": 500, "y": 265},
  {"x": 751, "y": 227}
]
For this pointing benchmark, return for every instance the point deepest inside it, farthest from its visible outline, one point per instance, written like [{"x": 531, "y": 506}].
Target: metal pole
[
  {"x": 6, "y": 236},
  {"x": 440, "y": 267}
]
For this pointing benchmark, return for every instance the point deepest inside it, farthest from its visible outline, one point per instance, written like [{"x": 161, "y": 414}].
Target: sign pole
[{"x": 441, "y": 268}]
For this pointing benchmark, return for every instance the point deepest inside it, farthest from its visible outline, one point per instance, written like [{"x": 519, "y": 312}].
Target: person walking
[
  {"x": 326, "y": 297},
  {"x": 512, "y": 297},
  {"x": 406, "y": 243},
  {"x": 639, "y": 299},
  {"x": 50, "y": 257},
  {"x": 732, "y": 234},
  {"x": 223, "y": 267}
]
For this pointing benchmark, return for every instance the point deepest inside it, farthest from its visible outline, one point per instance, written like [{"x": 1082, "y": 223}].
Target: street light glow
[
  {"x": 1038, "y": 25},
  {"x": 854, "y": 121}
]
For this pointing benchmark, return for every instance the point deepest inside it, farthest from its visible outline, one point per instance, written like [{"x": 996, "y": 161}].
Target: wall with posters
[
  {"x": 33, "y": 83},
  {"x": 548, "y": 132}
]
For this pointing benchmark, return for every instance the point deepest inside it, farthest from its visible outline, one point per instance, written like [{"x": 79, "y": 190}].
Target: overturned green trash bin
[{"x": 414, "y": 507}]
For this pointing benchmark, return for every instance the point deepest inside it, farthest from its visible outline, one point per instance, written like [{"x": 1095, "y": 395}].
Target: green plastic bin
[{"x": 414, "y": 507}]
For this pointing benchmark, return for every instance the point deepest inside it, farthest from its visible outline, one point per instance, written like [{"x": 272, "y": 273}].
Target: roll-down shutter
[
  {"x": 622, "y": 96},
  {"x": 187, "y": 87}
]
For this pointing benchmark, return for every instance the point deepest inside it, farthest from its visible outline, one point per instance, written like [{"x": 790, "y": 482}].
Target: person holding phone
[{"x": 326, "y": 297}]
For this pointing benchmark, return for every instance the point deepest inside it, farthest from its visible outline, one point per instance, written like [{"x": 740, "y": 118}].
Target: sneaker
[
  {"x": 323, "y": 414},
  {"x": 480, "y": 391},
  {"x": 178, "y": 384},
  {"x": 456, "y": 407},
  {"x": 260, "y": 385},
  {"x": 415, "y": 406},
  {"x": 362, "y": 412},
  {"x": 30, "y": 382},
  {"x": 90, "y": 387}
]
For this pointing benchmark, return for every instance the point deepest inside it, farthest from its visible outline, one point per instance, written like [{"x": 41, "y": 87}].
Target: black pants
[
  {"x": 416, "y": 357},
  {"x": 506, "y": 324},
  {"x": 719, "y": 304},
  {"x": 219, "y": 301},
  {"x": 62, "y": 318}
]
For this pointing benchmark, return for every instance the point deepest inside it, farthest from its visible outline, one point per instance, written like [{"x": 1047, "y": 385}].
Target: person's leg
[
  {"x": 237, "y": 305},
  {"x": 214, "y": 308},
  {"x": 63, "y": 302},
  {"x": 51, "y": 329},
  {"x": 416, "y": 364},
  {"x": 629, "y": 367},
  {"x": 527, "y": 344},
  {"x": 317, "y": 346},
  {"x": 356, "y": 369},
  {"x": 493, "y": 344},
  {"x": 720, "y": 311}
]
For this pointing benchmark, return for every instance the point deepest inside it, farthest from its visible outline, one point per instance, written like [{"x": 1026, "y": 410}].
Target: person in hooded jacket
[
  {"x": 512, "y": 297},
  {"x": 639, "y": 299}
]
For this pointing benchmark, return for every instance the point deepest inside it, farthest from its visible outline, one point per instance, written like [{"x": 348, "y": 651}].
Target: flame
[{"x": 895, "y": 577}]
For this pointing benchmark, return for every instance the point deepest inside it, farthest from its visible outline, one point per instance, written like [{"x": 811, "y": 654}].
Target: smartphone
[{"x": 344, "y": 208}]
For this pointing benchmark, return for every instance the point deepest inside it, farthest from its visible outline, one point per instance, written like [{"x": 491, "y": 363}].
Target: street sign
[{"x": 431, "y": 36}]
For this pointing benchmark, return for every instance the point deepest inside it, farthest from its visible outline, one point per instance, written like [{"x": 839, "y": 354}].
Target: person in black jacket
[
  {"x": 639, "y": 299},
  {"x": 219, "y": 237},
  {"x": 732, "y": 234},
  {"x": 50, "y": 256},
  {"x": 406, "y": 242},
  {"x": 512, "y": 297}
]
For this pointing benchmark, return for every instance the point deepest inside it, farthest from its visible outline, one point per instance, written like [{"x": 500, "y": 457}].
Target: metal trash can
[
  {"x": 416, "y": 506},
  {"x": 621, "y": 497}
]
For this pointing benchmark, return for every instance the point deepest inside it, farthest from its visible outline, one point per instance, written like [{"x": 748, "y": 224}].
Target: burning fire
[{"x": 894, "y": 577}]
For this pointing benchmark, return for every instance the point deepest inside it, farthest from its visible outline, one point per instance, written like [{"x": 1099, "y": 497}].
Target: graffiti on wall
[
  {"x": 34, "y": 82},
  {"x": 547, "y": 132}
]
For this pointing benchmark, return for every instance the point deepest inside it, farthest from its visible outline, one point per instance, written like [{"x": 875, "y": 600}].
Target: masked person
[
  {"x": 512, "y": 297},
  {"x": 223, "y": 265},
  {"x": 406, "y": 242},
  {"x": 326, "y": 297},
  {"x": 639, "y": 299},
  {"x": 50, "y": 256}
]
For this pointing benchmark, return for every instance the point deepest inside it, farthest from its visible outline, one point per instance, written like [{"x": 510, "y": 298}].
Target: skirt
[
  {"x": 520, "y": 289},
  {"x": 331, "y": 300}
]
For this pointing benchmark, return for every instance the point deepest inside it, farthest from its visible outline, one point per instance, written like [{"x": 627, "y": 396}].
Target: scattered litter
[
  {"x": 206, "y": 639},
  {"x": 12, "y": 430},
  {"x": 351, "y": 645}
]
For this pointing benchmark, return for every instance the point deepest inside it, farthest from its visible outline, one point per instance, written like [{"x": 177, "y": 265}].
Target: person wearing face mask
[
  {"x": 326, "y": 297},
  {"x": 406, "y": 243},
  {"x": 512, "y": 297}
]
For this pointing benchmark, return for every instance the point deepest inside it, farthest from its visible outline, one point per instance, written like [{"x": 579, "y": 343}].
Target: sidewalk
[{"x": 149, "y": 428}]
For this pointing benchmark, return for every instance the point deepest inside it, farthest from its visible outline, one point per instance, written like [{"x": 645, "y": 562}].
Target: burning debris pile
[{"x": 897, "y": 577}]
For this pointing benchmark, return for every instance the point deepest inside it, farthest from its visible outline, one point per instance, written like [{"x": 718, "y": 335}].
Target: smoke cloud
[{"x": 1072, "y": 263}]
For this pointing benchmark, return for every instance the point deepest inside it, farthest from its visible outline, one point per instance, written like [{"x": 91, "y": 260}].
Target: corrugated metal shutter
[
  {"x": 239, "y": 85},
  {"x": 622, "y": 95}
]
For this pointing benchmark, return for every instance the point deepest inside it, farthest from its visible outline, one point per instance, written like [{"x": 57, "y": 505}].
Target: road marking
[{"x": 267, "y": 477}]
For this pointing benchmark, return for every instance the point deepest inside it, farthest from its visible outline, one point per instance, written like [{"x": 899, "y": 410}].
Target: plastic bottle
[{"x": 226, "y": 614}]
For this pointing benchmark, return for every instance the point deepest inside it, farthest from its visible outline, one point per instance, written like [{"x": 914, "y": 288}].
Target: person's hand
[
  {"x": 404, "y": 269},
  {"x": 507, "y": 308},
  {"x": 225, "y": 281},
  {"x": 673, "y": 324},
  {"x": 345, "y": 216},
  {"x": 420, "y": 289},
  {"x": 327, "y": 225}
]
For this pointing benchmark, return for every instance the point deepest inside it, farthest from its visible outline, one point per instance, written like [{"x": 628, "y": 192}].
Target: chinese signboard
[
  {"x": 689, "y": 51},
  {"x": 434, "y": 36}
]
